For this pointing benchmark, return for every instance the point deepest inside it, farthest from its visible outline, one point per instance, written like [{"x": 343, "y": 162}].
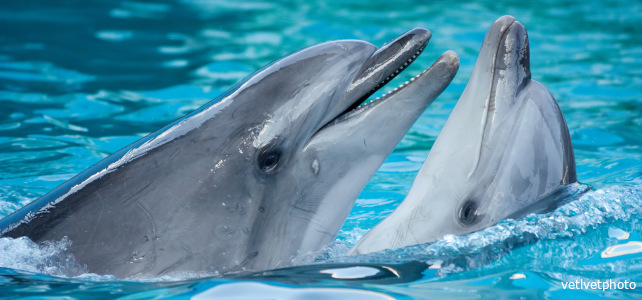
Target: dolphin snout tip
[
  {"x": 452, "y": 58},
  {"x": 420, "y": 35},
  {"x": 504, "y": 24},
  {"x": 505, "y": 21}
]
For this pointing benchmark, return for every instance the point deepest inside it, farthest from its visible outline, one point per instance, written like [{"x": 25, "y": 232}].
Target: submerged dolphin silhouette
[
  {"x": 504, "y": 152},
  {"x": 268, "y": 170}
]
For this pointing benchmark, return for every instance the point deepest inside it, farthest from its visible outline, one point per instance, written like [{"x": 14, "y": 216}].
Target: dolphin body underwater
[
  {"x": 267, "y": 171},
  {"x": 504, "y": 152}
]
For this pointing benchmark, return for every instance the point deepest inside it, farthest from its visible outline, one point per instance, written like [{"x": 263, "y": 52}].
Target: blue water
[{"x": 81, "y": 79}]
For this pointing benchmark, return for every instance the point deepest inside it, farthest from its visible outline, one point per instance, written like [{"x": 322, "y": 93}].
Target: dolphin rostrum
[
  {"x": 267, "y": 171},
  {"x": 504, "y": 152}
]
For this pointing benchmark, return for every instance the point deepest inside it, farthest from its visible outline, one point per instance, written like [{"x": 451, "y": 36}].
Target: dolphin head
[
  {"x": 310, "y": 144},
  {"x": 505, "y": 147},
  {"x": 265, "y": 172}
]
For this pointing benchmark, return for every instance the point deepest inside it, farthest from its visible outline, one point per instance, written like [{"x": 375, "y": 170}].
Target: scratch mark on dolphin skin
[
  {"x": 93, "y": 230},
  {"x": 175, "y": 153},
  {"x": 150, "y": 259},
  {"x": 249, "y": 258},
  {"x": 134, "y": 197},
  {"x": 150, "y": 217},
  {"x": 187, "y": 253},
  {"x": 301, "y": 205}
]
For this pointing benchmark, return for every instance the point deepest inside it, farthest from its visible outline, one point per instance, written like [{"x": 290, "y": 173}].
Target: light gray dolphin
[
  {"x": 267, "y": 171},
  {"x": 504, "y": 152}
]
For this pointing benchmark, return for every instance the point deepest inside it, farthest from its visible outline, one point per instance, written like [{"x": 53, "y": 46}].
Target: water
[{"x": 81, "y": 79}]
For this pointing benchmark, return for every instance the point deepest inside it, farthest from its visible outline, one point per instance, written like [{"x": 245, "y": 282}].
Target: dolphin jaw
[
  {"x": 418, "y": 40},
  {"x": 501, "y": 92},
  {"x": 363, "y": 103}
]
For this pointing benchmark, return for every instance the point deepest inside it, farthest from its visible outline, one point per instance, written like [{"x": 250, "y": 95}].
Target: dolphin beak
[
  {"x": 393, "y": 57},
  {"x": 501, "y": 72},
  {"x": 386, "y": 63},
  {"x": 512, "y": 65},
  {"x": 505, "y": 57}
]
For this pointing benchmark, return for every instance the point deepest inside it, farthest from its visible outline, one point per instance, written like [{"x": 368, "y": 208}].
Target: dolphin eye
[
  {"x": 269, "y": 160},
  {"x": 468, "y": 214}
]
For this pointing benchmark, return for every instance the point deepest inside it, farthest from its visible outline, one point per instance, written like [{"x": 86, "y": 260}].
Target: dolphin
[
  {"x": 267, "y": 171},
  {"x": 504, "y": 152}
]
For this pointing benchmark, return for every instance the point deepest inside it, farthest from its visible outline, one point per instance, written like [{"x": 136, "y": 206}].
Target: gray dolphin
[
  {"x": 504, "y": 152},
  {"x": 267, "y": 171}
]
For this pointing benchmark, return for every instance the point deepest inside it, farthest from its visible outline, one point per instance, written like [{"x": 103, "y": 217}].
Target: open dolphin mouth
[
  {"x": 382, "y": 67},
  {"x": 394, "y": 57}
]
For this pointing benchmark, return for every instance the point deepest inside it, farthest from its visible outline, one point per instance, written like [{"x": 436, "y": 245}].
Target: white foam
[
  {"x": 49, "y": 258},
  {"x": 571, "y": 221}
]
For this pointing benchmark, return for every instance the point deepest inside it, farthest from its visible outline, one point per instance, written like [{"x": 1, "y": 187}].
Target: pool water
[{"x": 81, "y": 79}]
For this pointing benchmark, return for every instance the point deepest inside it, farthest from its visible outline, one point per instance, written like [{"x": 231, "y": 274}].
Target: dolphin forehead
[
  {"x": 295, "y": 93},
  {"x": 310, "y": 72}
]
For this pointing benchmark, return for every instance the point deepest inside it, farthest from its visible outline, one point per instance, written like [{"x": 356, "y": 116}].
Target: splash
[
  {"x": 597, "y": 220},
  {"x": 583, "y": 225},
  {"x": 48, "y": 258}
]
